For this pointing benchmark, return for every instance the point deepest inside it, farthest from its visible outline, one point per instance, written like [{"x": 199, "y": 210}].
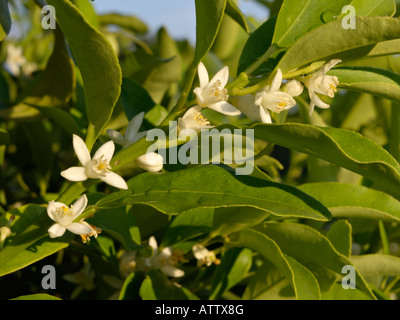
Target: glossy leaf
[
  {"x": 378, "y": 82},
  {"x": 302, "y": 280},
  {"x": 296, "y": 18},
  {"x": 5, "y": 19},
  {"x": 307, "y": 244},
  {"x": 332, "y": 41},
  {"x": 374, "y": 265},
  {"x": 30, "y": 242},
  {"x": 209, "y": 14},
  {"x": 235, "y": 265},
  {"x": 97, "y": 62},
  {"x": 353, "y": 201},
  {"x": 337, "y": 146},
  {"x": 157, "y": 286},
  {"x": 208, "y": 187}
]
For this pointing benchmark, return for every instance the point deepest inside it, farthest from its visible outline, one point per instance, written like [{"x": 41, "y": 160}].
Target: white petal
[
  {"x": 276, "y": 83},
  {"x": 199, "y": 251},
  {"x": 106, "y": 151},
  {"x": 79, "y": 205},
  {"x": 116, "y": 136},
  {"x": 203, "y": 75},
  {"x": 81, "y": 150},
  {"x": 114, "y": 180},
  {"x": 75, "y": 174},
  {"x": 79, "y": 228},
  {"x": 172, "y": 271},
  {"x": 56, "y": 230},
  {"x": 199, "y": 96},
  {"x": 317, "y": 101},
  {"x": 312, "y": 106},
  {"x": 222, "y": 76},
  {"x": 51, "y": 209},
  {"x": 134, "y": 126},
  {"x": 264, "y": 115},
  {"x": 225, "y": 108},
  {"x": 153, "y": 244},
  {"x": 325, "y": 68}
]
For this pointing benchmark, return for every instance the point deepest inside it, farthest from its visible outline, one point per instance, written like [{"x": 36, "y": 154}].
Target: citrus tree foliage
[{"x": 318, "y": 86}]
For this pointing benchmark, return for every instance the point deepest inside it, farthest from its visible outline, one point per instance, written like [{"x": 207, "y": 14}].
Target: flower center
[
  {"x": 101, "y": 167},
  {"x": 65, "y": 211},
  {"x": 333, "y": 87},
  {"x": 217, "y": 92}
]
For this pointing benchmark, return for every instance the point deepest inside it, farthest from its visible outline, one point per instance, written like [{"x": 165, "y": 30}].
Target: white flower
[
  {"x": 97, "y": 167},
  {"x": 193, "y": 119},
  {"x": 166, "y": 260},
  {"x": 272, "y": 98},
  {"x": 127, "y": 263},
  {"x": 16, "y": 61},
  {"x": 132, "y": 133},
  {"x": 84, "y": 279},
  {"x": 212, "y": 94},
  {"x": 246, "y": 104},
  {"x": 150, "y": 161},
  {"x": 64, "y": 217},
  {"x": 204, "y": 256},
  {"x": 319, "y": 82},
  {"x": 5, "y": 232}
]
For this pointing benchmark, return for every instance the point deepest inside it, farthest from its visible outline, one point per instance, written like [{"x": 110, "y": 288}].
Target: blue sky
[{"x": 178, "y": 16}]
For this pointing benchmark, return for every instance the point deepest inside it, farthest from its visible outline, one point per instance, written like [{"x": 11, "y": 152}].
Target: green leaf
[
  {"x": 230, "y": 220},
  {"x": 5, "y": 19},
  {"x": 130, "y": 23},
  {"x": 61, "y": 118},
  {"x": 338, "y": 293},
  {"x": 339, "y": 235},
  {"x": 135, "y": 98},
  {"x": 342, "y": 147},
  {"x": 370, "y": 8},
  {"x": 257, "y": 44},
  {"x": 236, "y": 14},
  {"x": 131, "y": 287},
  {"x": 378, "y": 82},
  {"x": 235, "y": 264},
  {"x": 157, "y": 287},
  {"x": 4, "y": 137},
  {"x": 307, "y": 244},
  {"x": 297, "y": 17},
  {"x": 30, "y": 242},
  {"x": 331, "y": 41},
  {"x": 187, "y": 225},
  {"x": 373, "y": 265},
  {"x": 302, "y": 280},
  {"x": 119, "y": 223},
  {"x": 209, "y": 14},
  {"x": 97, "y": 62},
  {"x": 213, "y": 187},
  {"x": 38, "y": 296},
  {"x": 353, "y": 201}
]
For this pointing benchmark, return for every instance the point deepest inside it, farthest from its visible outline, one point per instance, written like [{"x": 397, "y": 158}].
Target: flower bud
[
  {"x": 150, "y": 161},
  {"x": 293, "y": 88}
]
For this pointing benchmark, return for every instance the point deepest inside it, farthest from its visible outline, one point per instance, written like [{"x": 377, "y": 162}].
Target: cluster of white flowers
[
  {"x": 16, "y": 62},
  {"x": 165, "y": 260},
  {"x": 274, "y": 97}
]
